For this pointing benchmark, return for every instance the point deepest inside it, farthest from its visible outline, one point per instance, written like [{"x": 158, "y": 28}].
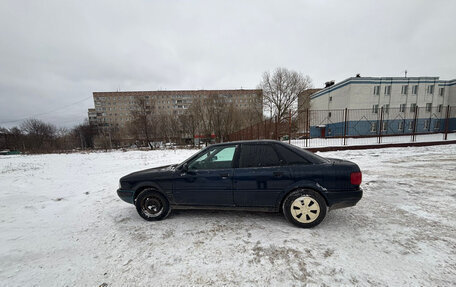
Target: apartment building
[
  {"x": 92, "y": 116},
  {"x": 113, "y": 109},
  {"x": 395, "y": 98}
]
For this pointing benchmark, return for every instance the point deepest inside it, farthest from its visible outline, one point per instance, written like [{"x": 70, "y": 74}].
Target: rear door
[
  {"x": 260, "y": 176},
  {"x": 209, "y": 179}
]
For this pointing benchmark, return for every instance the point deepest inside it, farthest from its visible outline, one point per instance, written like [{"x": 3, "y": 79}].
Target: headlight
[{"x": 120, "y": 185}]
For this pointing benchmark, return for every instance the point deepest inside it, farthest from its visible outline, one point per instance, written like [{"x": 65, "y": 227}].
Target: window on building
[
  {"x": 329, "y": 114},
  {"x": 388, "y": 90},
  {"x": 412, "y": 108},
  {"x": 404, "y": 90},
  {"x": 401, "y": 126},
  {"x": 426, "y": 124},
  {"x": 428, "y": 107},
  {"x": 373, "y": 127},
  {"x": 430, "y": 89},
  {"x": 402, "y": 108},
  {"x": 375, "y": 109},
  {"x": 386, "y": 108},
  {"x": 410, "y": 126},
  {"x": 376, "y": 90},
  {"x": 441, "y": 91},
  {"x": 330, "y": 99},
  {"x": 437, "y": 125},
  {"x": 414, "y": 89},
  {"x": 440, "y": 108}
]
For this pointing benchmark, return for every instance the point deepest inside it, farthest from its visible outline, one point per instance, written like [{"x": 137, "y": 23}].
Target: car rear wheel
[
  {"x": 304, "y": 208},
  {"x": 152, "y": 205}
]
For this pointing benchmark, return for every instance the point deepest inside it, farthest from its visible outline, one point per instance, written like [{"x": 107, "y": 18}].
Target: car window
[
  {"x": 215, "y": 158},
  {"x": 290, "y": 156},
  {"x": 258, "y": 155},
  {"x": 310, "y": 156}
]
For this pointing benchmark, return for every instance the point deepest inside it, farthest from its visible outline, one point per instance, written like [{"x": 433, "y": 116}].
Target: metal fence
[{"x": 321, "y": 128}]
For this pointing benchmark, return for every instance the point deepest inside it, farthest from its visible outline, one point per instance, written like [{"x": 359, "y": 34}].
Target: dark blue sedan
[{"x": 267, "y": 176}]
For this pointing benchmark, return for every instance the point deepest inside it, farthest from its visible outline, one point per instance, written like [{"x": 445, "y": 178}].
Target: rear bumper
[
  {"x": 341, "y": 199},
  {"x": 126, "y": 195}
]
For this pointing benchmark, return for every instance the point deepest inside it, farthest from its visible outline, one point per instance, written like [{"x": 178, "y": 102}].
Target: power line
[{"x": 45, "y": 113}]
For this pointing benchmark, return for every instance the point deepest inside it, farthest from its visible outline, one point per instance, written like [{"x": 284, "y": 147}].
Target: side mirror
[{"x": 185, "y": 167}]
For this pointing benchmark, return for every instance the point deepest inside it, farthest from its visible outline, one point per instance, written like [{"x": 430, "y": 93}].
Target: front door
[
  {"x": 208, "y": 180},
  {"x": 261, "y": 176}
]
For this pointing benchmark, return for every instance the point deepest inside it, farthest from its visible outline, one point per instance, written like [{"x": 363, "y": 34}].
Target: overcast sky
[{"x": 56, "y": 53}]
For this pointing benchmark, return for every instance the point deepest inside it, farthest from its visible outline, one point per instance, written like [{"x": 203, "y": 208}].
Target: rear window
[
  {"x": 306, "y": 154},
  {"x": 258, "y": 155},
  {"x": 290, "y": 157}
]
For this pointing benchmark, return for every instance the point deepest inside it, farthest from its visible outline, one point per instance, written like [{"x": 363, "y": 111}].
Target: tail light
[{"x": 356, "y": 178}]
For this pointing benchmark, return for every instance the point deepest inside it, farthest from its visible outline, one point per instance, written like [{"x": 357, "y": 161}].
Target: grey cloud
[{"x": 57, "y": 52}]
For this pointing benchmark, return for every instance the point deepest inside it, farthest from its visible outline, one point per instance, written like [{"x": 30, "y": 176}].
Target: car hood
[{"x": 150, "y": 172}]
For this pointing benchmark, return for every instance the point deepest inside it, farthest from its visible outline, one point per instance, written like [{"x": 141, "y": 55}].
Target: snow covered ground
[
  {"x": 62, "y": 224},
  {"x": 333, "y": 142}
]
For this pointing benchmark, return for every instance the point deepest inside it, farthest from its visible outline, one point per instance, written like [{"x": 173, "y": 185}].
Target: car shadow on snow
[
  {"x": 334, "y": 219},
  {"x": 128, "y": 214}
]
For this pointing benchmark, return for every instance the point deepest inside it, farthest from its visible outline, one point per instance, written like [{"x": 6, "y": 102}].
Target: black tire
[
  {"x": 304, "y": 208},
  {"x": 152, "y": 205}
]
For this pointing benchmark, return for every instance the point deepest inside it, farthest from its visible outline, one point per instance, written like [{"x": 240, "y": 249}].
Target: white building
[
  {"x": 368, "y": 92},
  {"x": 399, "y": 97}
]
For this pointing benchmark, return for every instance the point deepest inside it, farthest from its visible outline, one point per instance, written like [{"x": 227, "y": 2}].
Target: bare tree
[
  {"x": 254, "y": 111},
  {"x": 16, "y": 139},
  {"x": 281, "y": 90},
  {"x": 140, "y": 125},
  {"x": 4, "y": 133},
  {"x": 84, "y": 134},
  {"x": 219, "y": 115},
  {"x": 189, "y": 125},
  {"x": 39, "y": 133}
]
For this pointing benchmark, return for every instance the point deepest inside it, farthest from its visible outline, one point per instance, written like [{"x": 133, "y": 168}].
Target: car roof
[{"x": 247, "y": 141}]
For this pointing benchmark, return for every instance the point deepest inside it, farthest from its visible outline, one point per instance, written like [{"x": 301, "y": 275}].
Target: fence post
[
  {"x": 447, "y": 118},
  {"x": 307, "y": 127},
  {"x": 289, "y": 126},
  {"x": 381, "y": 126},
  {"x": 414, "y": 124},
  {"x": 345, "y": 126}
]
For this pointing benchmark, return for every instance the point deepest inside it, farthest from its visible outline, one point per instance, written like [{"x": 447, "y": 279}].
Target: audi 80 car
[{"x": 262, "y": 175}]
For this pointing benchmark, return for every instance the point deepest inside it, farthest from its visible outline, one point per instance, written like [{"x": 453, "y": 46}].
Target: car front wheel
[
  {"x": 152, "y": 205},
  {"x": 304, "y": 208}
]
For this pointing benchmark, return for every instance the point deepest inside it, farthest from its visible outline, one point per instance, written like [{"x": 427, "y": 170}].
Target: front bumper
[
  {"x": 126, "y": 195},
  {"x": 341, "y": 199}
]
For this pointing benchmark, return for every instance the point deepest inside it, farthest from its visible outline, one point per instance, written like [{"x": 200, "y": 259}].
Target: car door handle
[
  {"x": 277, "y": 173},
  {"x": 225, "y": 175}
]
